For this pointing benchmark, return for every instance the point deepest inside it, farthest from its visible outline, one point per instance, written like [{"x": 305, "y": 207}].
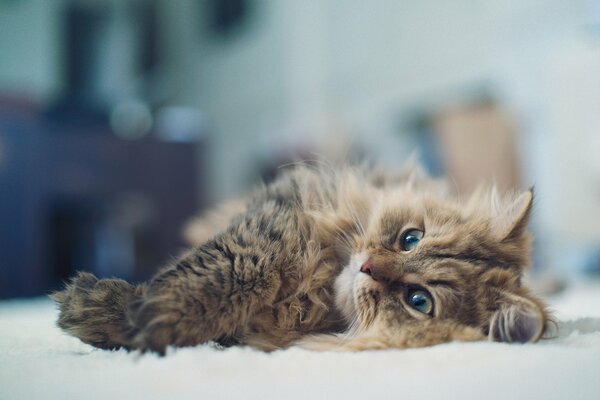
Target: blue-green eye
[
  {"x": 410, "y": 239},
  {"x": 420, "y": 300}
]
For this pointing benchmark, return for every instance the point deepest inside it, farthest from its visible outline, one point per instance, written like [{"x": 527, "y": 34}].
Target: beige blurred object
[
  {"x": 478, "y": 144},
  {"x": 206, "y": 225}
]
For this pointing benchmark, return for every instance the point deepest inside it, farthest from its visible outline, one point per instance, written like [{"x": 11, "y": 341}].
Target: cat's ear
[
  {"x": 510, "y": 215},
  {"x": 412, "y": 171},
  {"x": 517, "y": 320}
]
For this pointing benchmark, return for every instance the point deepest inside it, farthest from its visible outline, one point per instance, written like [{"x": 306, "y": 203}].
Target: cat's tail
[{"x": 97, "y": 311}]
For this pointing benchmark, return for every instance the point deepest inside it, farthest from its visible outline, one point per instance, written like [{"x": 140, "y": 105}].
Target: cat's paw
[
  {"x": 94, "y": 310},
  {"x": 165, "y": 319},
  {"x": 157, "y": 325}
]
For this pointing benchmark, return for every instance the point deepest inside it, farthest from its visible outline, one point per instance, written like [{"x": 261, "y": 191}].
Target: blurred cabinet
[{"x": 78, "y": 198}]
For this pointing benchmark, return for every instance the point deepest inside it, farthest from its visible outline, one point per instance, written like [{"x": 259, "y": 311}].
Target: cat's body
[{"x": 315, "y": 258}]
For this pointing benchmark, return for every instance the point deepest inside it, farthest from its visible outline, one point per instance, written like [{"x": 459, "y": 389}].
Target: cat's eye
[
  {"x": 420, "y": 300},
  {"x": 410, "y": 239}
]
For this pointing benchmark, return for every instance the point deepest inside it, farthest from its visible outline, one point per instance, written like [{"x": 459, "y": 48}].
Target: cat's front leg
[
  {"x": 422, "y": 334},
  {"x": 208, "y": 294}
]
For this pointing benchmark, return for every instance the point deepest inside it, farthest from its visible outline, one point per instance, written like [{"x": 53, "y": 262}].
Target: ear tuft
[
  {"x": 520, "y": 322},
  {"x": 510, "y": 216}
]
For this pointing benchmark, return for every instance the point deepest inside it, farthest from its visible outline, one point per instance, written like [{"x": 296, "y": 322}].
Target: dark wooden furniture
[{"x": 75, "y": 197}]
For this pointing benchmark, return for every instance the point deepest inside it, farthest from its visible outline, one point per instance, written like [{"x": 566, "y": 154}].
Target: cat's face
[{"x": 421, "y": 258}]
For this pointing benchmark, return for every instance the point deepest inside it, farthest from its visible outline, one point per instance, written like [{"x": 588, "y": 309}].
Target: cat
[{"x": 330, "y": 258}]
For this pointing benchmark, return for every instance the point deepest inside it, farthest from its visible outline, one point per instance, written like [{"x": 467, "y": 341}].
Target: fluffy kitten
[{"x": 340, "y": 259}]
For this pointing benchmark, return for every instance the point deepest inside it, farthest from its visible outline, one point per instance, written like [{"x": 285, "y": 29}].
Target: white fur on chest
[{"x": 344, "y": 286}]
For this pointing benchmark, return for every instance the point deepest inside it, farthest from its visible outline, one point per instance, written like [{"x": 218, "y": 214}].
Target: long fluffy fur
[{"x": 272, "y": 270}]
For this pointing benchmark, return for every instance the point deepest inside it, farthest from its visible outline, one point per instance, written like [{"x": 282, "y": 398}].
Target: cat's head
[{"x": 422, "y": 255}]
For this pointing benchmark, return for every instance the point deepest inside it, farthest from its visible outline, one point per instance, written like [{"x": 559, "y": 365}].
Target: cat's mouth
[{"x": 349, "y": 283}]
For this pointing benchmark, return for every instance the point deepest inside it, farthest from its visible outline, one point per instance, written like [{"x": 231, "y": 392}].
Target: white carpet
[{"x": 37, "y": 361}]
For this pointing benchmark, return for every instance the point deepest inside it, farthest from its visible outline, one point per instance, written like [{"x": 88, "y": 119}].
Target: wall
[
  {"x": 358, "y": 67},
  {"x": 30, "y": 43}
]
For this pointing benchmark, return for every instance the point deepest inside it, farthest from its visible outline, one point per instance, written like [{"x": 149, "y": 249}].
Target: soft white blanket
[{"x": 37, "y": 361}]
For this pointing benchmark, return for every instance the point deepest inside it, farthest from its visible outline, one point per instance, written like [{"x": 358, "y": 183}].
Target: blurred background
[{"x": 121, "y": 119}]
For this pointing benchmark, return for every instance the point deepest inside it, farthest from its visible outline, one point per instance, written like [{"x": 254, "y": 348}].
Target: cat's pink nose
[{"x": 366, "y": 267}]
